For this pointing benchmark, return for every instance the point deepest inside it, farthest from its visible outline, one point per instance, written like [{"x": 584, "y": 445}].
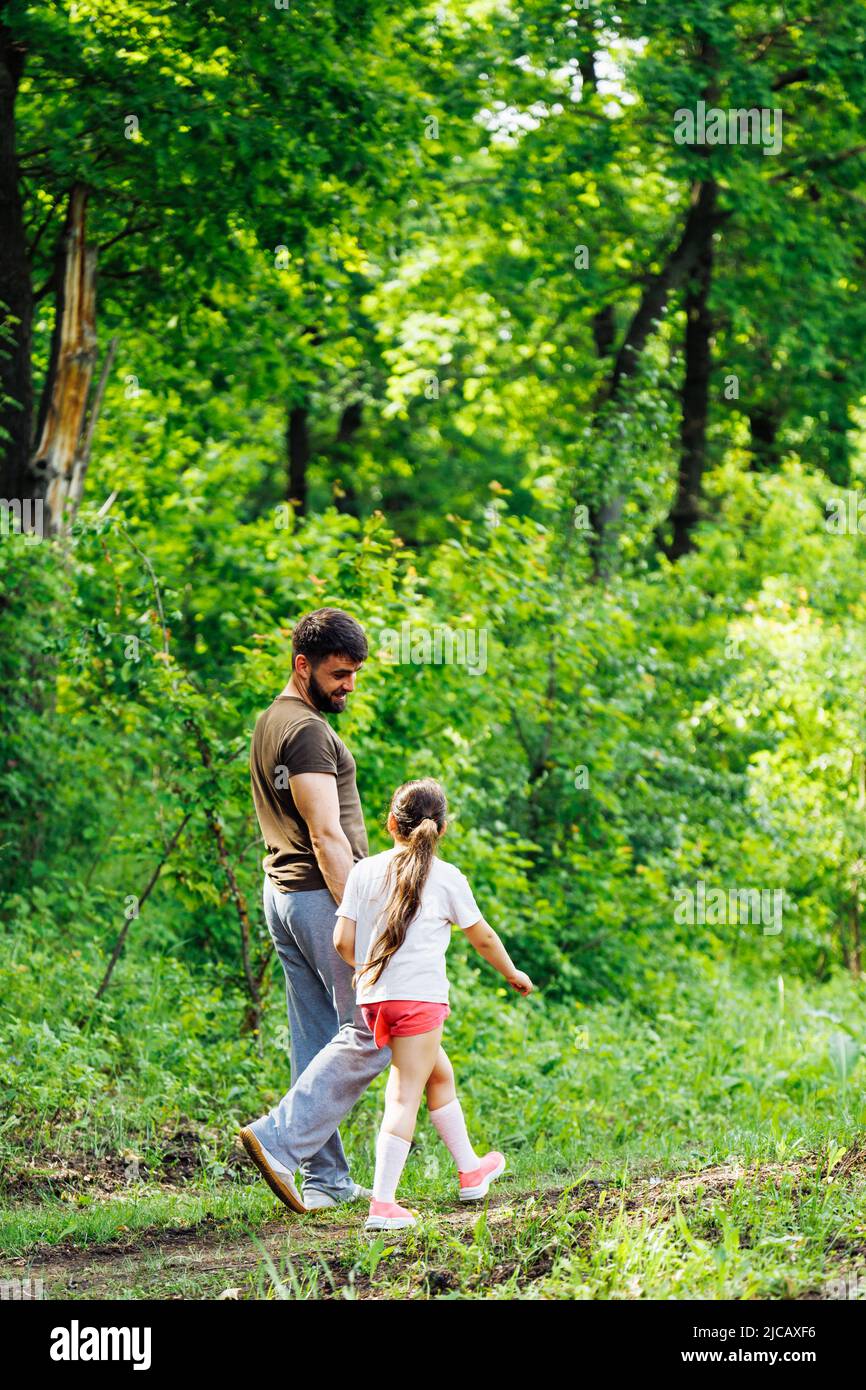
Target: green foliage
[{"x": 363, "y": 220}]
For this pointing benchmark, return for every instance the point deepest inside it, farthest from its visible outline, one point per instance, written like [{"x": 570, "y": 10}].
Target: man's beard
[{"x": 328, "y": 704}]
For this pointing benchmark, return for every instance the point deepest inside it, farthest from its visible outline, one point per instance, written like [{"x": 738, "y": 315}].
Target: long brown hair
[{"x": 419, "y": 809}]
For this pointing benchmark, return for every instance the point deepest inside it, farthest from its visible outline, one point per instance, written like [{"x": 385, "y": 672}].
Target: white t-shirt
[{"x": 417, "y": 969}]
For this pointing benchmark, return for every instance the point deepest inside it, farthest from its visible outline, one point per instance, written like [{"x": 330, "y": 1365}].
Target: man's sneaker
[
  {"x": 387, "y": 1216},
  {"x": 474, "y": 1185},
  {"x": 275, "y": 1174},
  {"x": 314, "y": 1200}
]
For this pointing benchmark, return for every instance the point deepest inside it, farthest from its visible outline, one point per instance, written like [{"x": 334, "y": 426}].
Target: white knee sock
[
  {"x": 450, "y": 1125},
  {"x": 391, "y": 1155}
]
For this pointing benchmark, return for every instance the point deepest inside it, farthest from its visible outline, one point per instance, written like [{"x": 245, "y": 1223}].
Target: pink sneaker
[
  {"x": 388, "y": 1216},
  {"x": 474, "y": 1185}
]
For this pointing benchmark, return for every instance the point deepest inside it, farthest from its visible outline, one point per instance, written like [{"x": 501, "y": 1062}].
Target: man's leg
[
  {"x": 319, "y": 998},
  {"x": 308, "y": 1115}
]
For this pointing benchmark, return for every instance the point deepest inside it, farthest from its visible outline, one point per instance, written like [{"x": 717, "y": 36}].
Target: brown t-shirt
[{"x": 291, "y": 737}]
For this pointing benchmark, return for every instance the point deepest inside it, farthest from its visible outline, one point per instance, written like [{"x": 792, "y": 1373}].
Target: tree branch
[{"x": 150, "y": 885}]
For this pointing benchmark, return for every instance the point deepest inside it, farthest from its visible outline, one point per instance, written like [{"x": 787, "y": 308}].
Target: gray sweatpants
[{"x": 333, "y": 1055}]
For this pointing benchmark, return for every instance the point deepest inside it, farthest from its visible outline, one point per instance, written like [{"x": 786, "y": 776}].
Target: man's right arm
[{"x": 315, "y": 795}]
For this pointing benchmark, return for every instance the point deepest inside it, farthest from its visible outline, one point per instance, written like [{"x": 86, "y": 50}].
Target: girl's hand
[{"x": 521, "y": 982}]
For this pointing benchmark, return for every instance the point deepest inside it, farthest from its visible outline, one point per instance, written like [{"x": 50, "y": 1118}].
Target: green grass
[{"x": 611, "y": 1106}]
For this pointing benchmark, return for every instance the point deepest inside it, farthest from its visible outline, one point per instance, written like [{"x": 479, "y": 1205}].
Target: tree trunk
[
  {"x": 701, "y": 221},
  {"x": 298, "y": 452},
  {"x": 604, "y": 330},
  {"x": 586, "y": 63},
  {"x": 82, "y": 457},
  {"x": 73, "y": 354},
  {"x": 763, "y": 427},
  {"x": 350, "y": 422},
  {"x": 695, "y": 402},
  {"x": 837, "y": 462},
  {"x": 16, "y": 293}
]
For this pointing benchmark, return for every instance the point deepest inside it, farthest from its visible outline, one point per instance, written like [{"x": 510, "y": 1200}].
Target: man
[{"x": 309, "y": 812}]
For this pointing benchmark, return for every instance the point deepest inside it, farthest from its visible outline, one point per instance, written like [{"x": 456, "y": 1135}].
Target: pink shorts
[{"x": 402, "y": 1018}]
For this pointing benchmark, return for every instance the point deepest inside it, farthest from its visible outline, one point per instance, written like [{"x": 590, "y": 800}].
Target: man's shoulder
[{"x": 291, "y": 717}]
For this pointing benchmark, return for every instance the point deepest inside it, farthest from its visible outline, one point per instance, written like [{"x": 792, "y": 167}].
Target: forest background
[{"x": 449, "y": 315}]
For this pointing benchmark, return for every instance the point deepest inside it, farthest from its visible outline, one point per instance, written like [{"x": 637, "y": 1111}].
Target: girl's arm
[
  {"x": 487, "y": 944},
  {"x": 344, "y": 940}
]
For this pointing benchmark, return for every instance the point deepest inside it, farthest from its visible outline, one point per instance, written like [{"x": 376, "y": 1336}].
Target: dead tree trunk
[
  {"x": 82, "y": 455},
  {"x": 73, "y": 355}
]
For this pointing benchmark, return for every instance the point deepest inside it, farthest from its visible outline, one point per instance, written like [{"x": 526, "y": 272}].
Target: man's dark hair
[{"x": 328, "y": 632}]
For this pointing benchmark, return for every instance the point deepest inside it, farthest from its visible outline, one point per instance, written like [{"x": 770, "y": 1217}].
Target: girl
[{"x": 396, "y": 917}]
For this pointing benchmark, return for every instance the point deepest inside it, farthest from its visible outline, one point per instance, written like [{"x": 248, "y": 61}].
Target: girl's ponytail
[{"x": 419, "y": 809}]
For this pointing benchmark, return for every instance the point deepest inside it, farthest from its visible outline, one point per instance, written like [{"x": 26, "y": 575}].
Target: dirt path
[
  {"x": 207, "y": 1254},
  {"x": 211, "y": 1259}
]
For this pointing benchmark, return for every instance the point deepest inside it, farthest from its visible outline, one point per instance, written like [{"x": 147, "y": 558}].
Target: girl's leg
[
  {"x": 440, "y": 1087},
  {"x": 412, "y": 1060},
  {"x": 446, "y": 1115}
]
